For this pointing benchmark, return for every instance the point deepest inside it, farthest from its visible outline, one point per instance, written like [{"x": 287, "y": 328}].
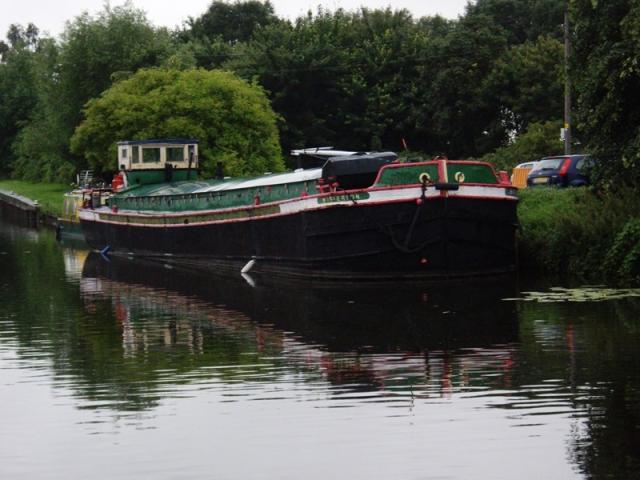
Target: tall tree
[
  {"x": 462, "y": 121},
  {"x": 17, "y": 86},
  {"x": 344, "y": 79},
  {"x": 527, "y": 82},
  {"x": 232, "y": 22},
  {"x": 213, "y": 34},
  {"x": 522, "y": 20},
  {"x": 606, "y": 72},
  {"x": 231, "y": 118},
  {"x": 94, "y": 51}
]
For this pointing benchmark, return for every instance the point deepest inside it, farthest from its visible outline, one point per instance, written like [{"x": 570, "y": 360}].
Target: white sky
[{"x": 51, "y": 15}]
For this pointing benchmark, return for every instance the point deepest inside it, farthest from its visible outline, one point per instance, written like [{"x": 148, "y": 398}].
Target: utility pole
[{"x": 567, "y": 84}]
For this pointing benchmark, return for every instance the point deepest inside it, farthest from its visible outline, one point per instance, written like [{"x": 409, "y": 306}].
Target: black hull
[{"x": 441, "y": 237}]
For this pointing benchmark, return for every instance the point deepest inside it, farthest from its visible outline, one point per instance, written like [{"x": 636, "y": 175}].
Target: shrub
[
  {"x": 231, "y": 118},
  {"x": 579, "y": 232}
]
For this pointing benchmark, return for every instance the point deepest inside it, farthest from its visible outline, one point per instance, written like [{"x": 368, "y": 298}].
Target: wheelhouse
[
  {"x": 159, "y": 160},
  {"x": 152, "y": 154}
]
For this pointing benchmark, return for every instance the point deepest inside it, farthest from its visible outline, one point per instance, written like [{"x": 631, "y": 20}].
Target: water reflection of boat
[{"x": 371, "y": 316}]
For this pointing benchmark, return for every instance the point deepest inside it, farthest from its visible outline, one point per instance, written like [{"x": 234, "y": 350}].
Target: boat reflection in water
[{"x": 364, "y": 337}]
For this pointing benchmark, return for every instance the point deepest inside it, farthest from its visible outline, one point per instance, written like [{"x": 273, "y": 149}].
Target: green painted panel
[
  {"x": 471, "y": 173},
  {"x": 147, "y": 177},
  {"x": 408, "y": 174}
]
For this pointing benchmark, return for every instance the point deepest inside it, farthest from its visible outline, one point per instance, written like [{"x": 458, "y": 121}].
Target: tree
[
  {"x": 231, "y": 118},
  {"x": 232, "y": 22},
  {"x": 605, "y": 69},
  {"x": 17, "y": 86},
  {"x": 522, "y": 20},
  {"x": 93, "y": 52},
  {"x": 539, "y": 140},
  {"x": 462, "y": 120},
  {"x": 213, "y": 35},
  {"x": 347, "y": 79},
  {"x": 527, "y": 82}
]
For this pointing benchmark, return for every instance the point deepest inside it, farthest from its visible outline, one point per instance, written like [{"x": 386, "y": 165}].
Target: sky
[{"x": 50, "y": 16}]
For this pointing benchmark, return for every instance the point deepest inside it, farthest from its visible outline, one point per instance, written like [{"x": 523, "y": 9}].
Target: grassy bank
[
  {"x": 49, "y": 195},
  {"x": 576, "y": 232}
]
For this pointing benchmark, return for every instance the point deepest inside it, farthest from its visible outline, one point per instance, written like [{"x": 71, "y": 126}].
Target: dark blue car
[{"x": 561, "y": 171}]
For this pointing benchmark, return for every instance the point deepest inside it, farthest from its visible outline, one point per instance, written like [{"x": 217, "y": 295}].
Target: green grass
[
  {"x": 49, "y": 195},
  {"x": 578, "y": 232}
]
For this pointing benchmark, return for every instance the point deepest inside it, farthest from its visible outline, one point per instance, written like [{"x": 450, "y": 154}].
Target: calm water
[{"x": 128, "y": 370}]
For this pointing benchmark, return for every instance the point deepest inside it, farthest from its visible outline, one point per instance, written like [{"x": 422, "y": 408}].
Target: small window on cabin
[
  {"x": 124, "y": 153},
  {"x": 175, "y": 154},
  {"x": 135, "y": 157},
  {"x": 151, "y": 155}
]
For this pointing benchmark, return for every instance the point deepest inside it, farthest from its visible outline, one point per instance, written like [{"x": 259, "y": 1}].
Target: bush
[
  {"x": 579, "y": 232},
  {"x": 622, "y": 263},
  {"x": 231, "y": 118},
  {"x": 540, "y": 140}
]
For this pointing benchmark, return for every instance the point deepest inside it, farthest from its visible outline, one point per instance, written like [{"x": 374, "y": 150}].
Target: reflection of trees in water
[{"x": 595, "y": 349}]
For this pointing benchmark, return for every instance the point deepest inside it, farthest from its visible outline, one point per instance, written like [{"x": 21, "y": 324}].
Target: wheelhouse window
[
  {"x": 135, "y": 154},
  {"x": 124, "y": 152},
  {"x": 175, "y": 154},
  {"x": 151, "y": 155}
]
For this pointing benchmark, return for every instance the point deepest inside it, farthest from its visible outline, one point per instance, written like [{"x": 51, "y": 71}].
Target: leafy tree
[
  {"x": 606, "y": 72},
  {"x": 232, "y": 22},
  {"x": 344, "y": 79},
  {"x": 462, "y": 120},
  {"x": 527, "y": 82},
  {"x": 93, "y": 52},
  {"x": 522, "y": 20},
  {"x": 37, "y": 147},
  {"x": 119, "y": 39},
  {"x": 539, "y": 140},
  {"x": 231, "y": 118},
  {"x": 17, "y": 89},
  {"x": 213, "y": 34}
]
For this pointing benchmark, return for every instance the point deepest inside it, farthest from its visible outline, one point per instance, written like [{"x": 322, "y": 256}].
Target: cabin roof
[
  {"x": 205, "y": 186},
  {"x": 170, "y": 141}
]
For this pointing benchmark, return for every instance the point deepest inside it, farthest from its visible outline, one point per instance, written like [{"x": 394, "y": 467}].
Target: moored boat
[
  {"x": 359, "y": 215},
  {"x": 86, "y": 191}
]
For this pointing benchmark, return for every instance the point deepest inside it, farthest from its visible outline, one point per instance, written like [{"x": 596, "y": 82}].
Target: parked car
[
  {"x": 519, "y": 174},
  {"x": 528, "y": 165},
  {"x": 561, "y": 171}
]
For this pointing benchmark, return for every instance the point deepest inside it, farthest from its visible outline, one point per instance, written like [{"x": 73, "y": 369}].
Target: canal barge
[{"x": 358, "y": 215}]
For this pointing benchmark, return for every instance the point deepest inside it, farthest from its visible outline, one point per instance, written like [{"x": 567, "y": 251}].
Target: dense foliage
[
  {"x": 606, "y": 71},
  {"x": 366, "y": 79},
  {"x": 65, "y": 74},
  {"x": 17, "y": 87},
  {"x": 231, "y": 118},
  {"x": 575, "y": 231},
  {"x": 539, "y": 140},
  {"x": 489, "y": 84}
]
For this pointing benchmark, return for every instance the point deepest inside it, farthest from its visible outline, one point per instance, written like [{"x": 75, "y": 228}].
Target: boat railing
[{"x": 85, "y": 178}]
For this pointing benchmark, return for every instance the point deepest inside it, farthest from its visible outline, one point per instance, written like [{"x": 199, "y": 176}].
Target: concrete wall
[{"x": 19, "y": 209}]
